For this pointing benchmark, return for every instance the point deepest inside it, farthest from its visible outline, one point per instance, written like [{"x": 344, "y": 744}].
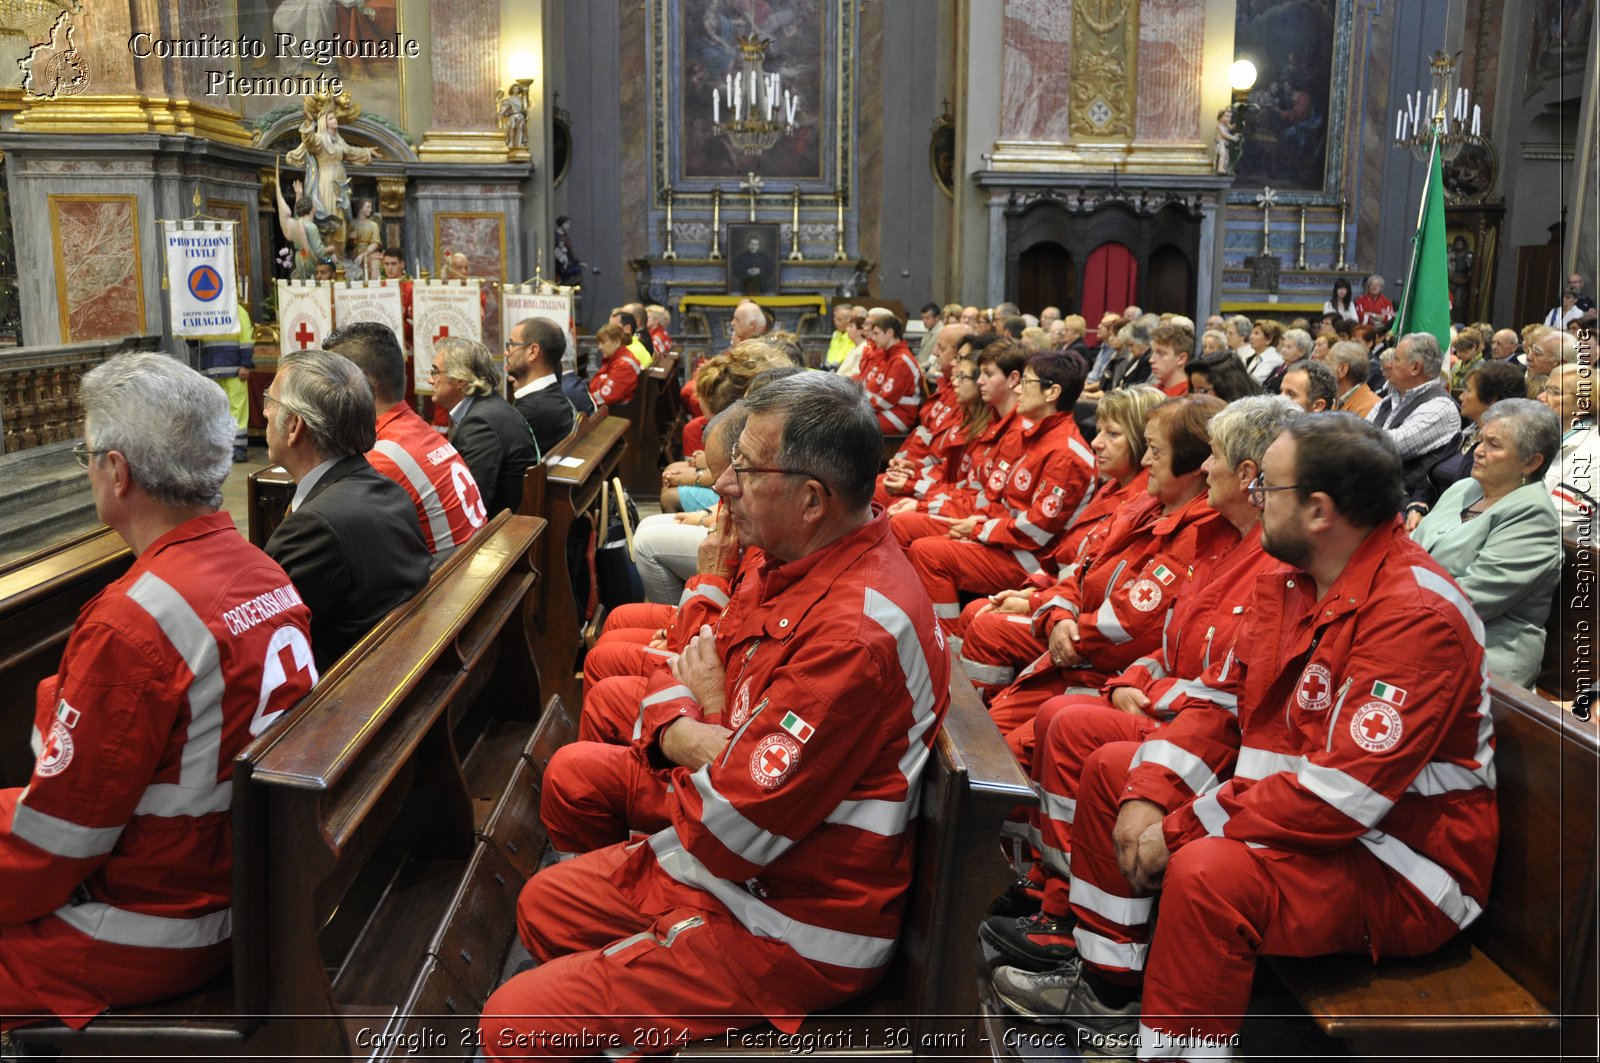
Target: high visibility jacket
[
  {"x": 893, "y": 382},
  {"x": 409, "y": 452},
  {"x": 616, "y": 380},
  {"x": 1042, "y": 479}
]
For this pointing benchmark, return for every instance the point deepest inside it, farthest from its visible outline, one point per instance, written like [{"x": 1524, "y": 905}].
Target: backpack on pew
[{"x": 616, "y": 576}]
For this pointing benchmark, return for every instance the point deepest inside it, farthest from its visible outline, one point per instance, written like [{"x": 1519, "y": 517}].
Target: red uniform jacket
[
  {"x": 1360, "y": 718},
  {"x": 409, "y": 452},
  {"x": 893, "y": 382},
  {"x": 1083, "y": 538},
  {"x": 837, "y": 680},
  {"x": 124, "y": 831},
  {"x": 964, "y": 492},
  {"x": 616, "y": 380},
  {"x": 1042, "y": 479},
  {"x": 938, "y": 413}
]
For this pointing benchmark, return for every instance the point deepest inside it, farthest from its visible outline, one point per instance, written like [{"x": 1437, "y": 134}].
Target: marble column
[{"x": 466, "y": 71}]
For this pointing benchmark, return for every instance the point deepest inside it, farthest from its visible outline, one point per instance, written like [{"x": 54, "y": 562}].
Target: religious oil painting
[
  {"x": 1292, "y": 44},
  {"x": 753, "y": 258},
  {"x": 719, "y": 41},
  {"x": 375, "y": 82},
  {"x": 1558, "y": 42}
]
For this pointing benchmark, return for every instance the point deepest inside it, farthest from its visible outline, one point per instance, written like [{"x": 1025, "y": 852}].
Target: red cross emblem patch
[
  {"x": 1316, "y": 688},
  {"x": 1145, "y": 595},
  {"x": 774, "y": 760},
  {"x": 1023, "y": 479},
  {"x": 1376, "y": 726},
  {"x": 57, "y": 752},
  {"x": 1050, "y": 505}
]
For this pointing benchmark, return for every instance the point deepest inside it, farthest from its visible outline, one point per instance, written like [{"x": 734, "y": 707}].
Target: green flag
[{"x": 1425, "y": 303}]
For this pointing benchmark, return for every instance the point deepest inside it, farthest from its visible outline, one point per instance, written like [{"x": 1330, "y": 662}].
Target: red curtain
[{"x": 1110, "y": 279}]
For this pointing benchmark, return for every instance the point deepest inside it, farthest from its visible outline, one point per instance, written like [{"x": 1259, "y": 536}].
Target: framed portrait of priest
[{"x": 753, "y": 258}]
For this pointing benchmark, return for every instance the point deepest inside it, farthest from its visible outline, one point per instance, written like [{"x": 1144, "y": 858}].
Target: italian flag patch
[
  {"x": 1394, "y": 695},
  {"x": 1164, "y": 574},
  {"x": 797, "y": 727}
]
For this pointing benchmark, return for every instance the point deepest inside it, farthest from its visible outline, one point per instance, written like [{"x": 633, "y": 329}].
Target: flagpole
[{"x": 1416, "y": 237}]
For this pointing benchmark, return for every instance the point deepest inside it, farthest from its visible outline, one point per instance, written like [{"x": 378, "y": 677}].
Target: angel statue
[
  {"x": 323, "y": 152},
  {"x": 513, "y": 115},
  {"x": 300, "y": 230}
]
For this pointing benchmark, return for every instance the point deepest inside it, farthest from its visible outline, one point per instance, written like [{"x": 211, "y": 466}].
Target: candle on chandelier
[
  {"x": 1475, "y": 117},
  {"x": 716, "y": 108}
]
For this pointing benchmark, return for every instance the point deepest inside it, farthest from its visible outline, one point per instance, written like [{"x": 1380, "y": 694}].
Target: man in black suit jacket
[
  {"x": 533, "y": 362},
  {"x": 491, "y": 436},
  {"x": 351, "y": 542}
]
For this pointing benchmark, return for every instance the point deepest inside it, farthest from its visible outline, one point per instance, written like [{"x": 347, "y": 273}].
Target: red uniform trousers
[
  {"x": 596, "y": 794},
  {"x": 1014, "y": 710},
  {"x": 633, "y": 979},
  {"x": 1067, "y": 730},
  {"x": 1223, "y": 904},
  {"x": 622, "y": 647},
  {"x": 909, "y": 527},
  {"x": 948, "y": 566},
  {"x": 995, "y": 646},
  {"x": 611, "y": 709}
]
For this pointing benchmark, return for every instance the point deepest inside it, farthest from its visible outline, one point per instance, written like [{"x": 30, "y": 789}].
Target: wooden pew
[
  {"x": 40, "y": 596},
  {"x": 1569, "y": 667},
  {"x": 269, "y": 491},
  {"x": 1519, "y": 981},
  {"x": 375, "y": 869},
  {"x": 574, "y": 473},
  {"x": 927, "y": 1003},
  {"x": 651, "y": 411}
]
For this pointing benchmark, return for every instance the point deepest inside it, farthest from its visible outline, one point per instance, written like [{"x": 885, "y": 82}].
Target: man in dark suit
[
  {"x": 351, "y": 541},
  {"x": 493, "y": 438},
  {"x": 533, "y": 362}
]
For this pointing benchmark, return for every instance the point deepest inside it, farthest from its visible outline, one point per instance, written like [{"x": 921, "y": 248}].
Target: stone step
[{"x": 29, "y": 527}]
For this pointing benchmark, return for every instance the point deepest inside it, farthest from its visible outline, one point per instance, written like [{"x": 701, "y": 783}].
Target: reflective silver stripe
[
  {"x": 1098, "y": 949},
  {"x": 1129, "y": 911},
  {"x": 1057, "y": 602},
  {"x": 887, "y": 818},
  {"x": 712, "y": 594},
  {"x": 1154, "y": 1044},
  {"x": 671, "y": 693},
  {"x": 1039, "y": 664},
  {"x": 1441, "y": 777},
  {"x": 165, "y": 799},
  {"x": 61, "y": 837},
  {"x": 819, "y": 944},
  {"x": 1259, "y": 763},
  {"x": 729, "y": 826},
  {"x": 893, "y": 418},
  {"x": 947, "y": 610},
  {"x": 1033, "y": 531},
  {"x": 922, "y": 434},
  {"x": 432, "y": 508},
  {"x": 122, "y": 927},
  {"x": 633, "y": 939},
  {"x": 1432, "y": 581},
  {"x": 196, "y": 792},
  {"x": 36, "y": 743},
  {"x": 1177, "y": 690},
  {"x": 1220, "y": 698},
  {"x": 1108, "y": 624},
  {"x": 1431, "y": 880},
  {"x": 996, "y": 675},
  {"x": 1059, "y": 808},
  {"x": 1209, "y": 811},
  {"x": 1084, "y": 454},
  {"x": 988, "y": 529},
  {"x": 920, "y": 691},
  {"x": 1029, "y": 563},
  {"x": 1195, "y": 773},
  {"x": 1056, "y": 859},
  {"x": 1152, "y": 666},
  {"x": 1347, "y": 794}
]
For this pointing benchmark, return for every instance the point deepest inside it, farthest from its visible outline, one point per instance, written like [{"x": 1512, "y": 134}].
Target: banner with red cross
[
  {"x": 305, "y": 314},
  {"x": 370, "y": 301},
  {"x": 440, "y": 309}
]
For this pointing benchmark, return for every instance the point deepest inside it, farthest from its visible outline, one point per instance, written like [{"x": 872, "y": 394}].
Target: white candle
[
  {"x": 1399, "y": 122},
  {"x": 794, "y": 106},
  {"x": 1433, "y": 103},
  {"x": 752, "y": 86},
  {"x": 727, "y": 85},
  {"x": 716, "y": 108},
  {"x": 1475, "y": 116}
]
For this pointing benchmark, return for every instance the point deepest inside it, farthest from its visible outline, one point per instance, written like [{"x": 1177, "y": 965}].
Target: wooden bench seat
[
  {"x": 40, "y": 596},
  {"x": 375, "y": 868}
]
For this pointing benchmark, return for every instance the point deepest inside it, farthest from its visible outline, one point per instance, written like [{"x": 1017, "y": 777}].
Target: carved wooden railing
[{"x": 39, "y": 388}]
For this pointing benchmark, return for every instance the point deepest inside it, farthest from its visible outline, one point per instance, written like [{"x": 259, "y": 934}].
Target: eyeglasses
[
  {"x": 739, "y": 472},
  {"x": 516, "y": 346},
  {"x": 81, "y": 453},
  {"x": 964, "y": 376},
  {"x": 1036, "y": 382},
  {"x": 1258, "y": 490}
]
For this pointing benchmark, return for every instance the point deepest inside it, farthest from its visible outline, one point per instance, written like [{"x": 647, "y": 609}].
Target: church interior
[{"x": 231, "y": 183}]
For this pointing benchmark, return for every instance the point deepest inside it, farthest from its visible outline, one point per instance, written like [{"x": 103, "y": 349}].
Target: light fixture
[
  {"x": 1448, "y": 114},
  {"x": 523, "y": 67},
  {"x": 1242, "y": 76},
  {"x": 757, "y": 107}
]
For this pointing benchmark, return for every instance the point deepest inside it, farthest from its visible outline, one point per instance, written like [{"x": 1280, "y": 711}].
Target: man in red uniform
[
  {"x": 775, "y": 882},
  {"x": 1046, "y": 475},
  {"x": 890, "y": 374},
  {"x": 1353, "y": 717},
  {"x": 409, "y": 451},
  {"x": 115, "y": 857}
]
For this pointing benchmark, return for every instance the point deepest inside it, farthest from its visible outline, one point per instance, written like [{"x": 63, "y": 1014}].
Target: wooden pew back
[
  {"x": 364, "y": 886},
  {"x": 651, "y": 412}
]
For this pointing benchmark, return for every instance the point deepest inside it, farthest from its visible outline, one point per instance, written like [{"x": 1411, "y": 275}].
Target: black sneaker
[
  {"x": 1022, "y": 897},
  {"x": 1063, "y": 996},
  {"x": 1036, "y": 942}
]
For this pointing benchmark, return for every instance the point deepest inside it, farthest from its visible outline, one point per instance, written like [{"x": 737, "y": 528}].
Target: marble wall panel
[
  {"x": 95, "y": 246},
  {"x": 1038, "y": 35},
  {"x": 466, "y": 63},
  {"x": 1171, "y": 53},
  {"x": 481, "y": 236}
]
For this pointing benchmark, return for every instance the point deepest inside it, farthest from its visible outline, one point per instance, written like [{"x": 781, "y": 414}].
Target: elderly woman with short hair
[
  {"x": 1498, "y": 534},
  {"x": 489, "y": 433}
]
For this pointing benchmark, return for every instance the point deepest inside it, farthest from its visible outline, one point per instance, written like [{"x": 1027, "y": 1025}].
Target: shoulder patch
[{"x": 774, "y": 760}]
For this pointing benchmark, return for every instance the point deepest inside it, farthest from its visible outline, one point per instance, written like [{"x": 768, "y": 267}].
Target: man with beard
[{"x": 1360, "y": 814}]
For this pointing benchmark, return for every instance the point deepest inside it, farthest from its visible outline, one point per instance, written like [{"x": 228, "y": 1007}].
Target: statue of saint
[
  {"x": 513, "y": 115},
  {"x": 323, "y": 152},
  {"x": 365, "y": 250},
  {"x": 1226, "y": 139}
]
